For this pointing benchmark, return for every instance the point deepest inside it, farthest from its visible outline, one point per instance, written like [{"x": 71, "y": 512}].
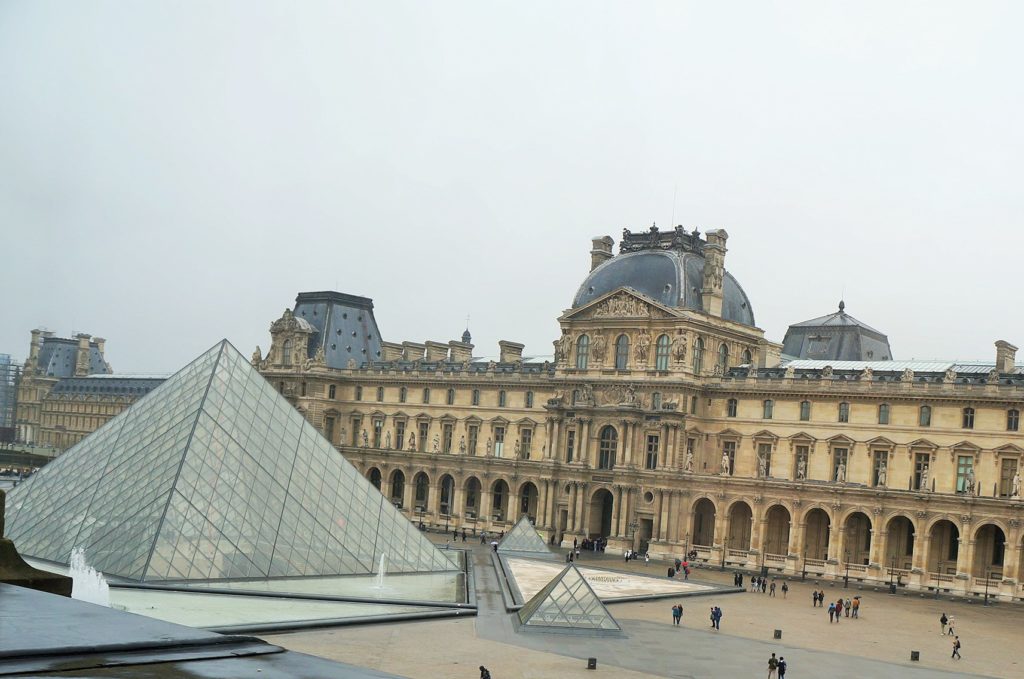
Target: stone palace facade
[{"x": 666, "y": 421}]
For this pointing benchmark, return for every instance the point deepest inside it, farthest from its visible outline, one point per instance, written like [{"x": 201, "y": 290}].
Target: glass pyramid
[
  {"x": 568, "y": 603},
  {"x": 213, "y": 475},
  {"x": 523, "y": 538}
]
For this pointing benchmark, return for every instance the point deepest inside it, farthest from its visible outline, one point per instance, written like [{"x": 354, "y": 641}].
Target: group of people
[
  {"x": 597, "y": 545},
  {"x": 948, "y": 624},
  {"x": 836, "y": 608},
  {"x": 776, "y": 667},
  {"x": 761, "y": 584},
  {"x": 633, "y": 556},
  {"x": 682, "y": 567}
]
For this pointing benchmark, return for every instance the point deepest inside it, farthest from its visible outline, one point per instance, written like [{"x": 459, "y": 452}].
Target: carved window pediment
[{"x": 622, "y": 303}]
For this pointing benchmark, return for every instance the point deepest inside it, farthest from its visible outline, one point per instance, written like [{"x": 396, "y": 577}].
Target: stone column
[
  {"x": 617, "y": 511},
  {"x": 583, "y": 444},
  {"x": 627, "y": 448},
  {"x": 665, "y": 498},
  {"x": 409, "y": 496},
  {"x": 578, "y": 489},
  {"x": 483, "y": 513},
  {"x": 797, "y": 537},
  {"x": 458, "y": 502},
  {"x": 879, "y": 542},
  {"x": 585, "y": 505}
]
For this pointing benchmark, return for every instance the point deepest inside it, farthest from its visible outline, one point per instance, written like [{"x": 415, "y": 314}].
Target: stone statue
[
  {"x": 320, "y": 357},
  {"x": 462, "y": 445},
  {"x": 517, "y": 449},
  {"x": 562, "y": 347},
  {"x": 412, "y": 442},
  {"x": 489, "y": 447},
  {"x": 587, "y": 394},
  {"x": 689, "y": 462},
  {"x": 679, "y": 346},
  {"x": 826, "y": 371},
  {"x": 344, "y": 437},
  {"x": 597, "y": 349},
  {"x": 924, "y": 479},
  {"x": 365, "y": 439},
  {"x": 762, "y": 466},
  {"x": 725, "y": 463},
  {"x": 883, "y": 474},
  {"x": 867, "y": 375},
  {"x": 841, "y": 473},
  {"x": 643, "y": 347},
  {"x": 1015, "y": 490},
  {"x": 257, "y": 356},
  {"x": 629, "y": 397},
  {"x": 970, "y": 482},
  {"x": 801, "y": 470},
  {"x": 950, "y": 375},
  {"x": 387, "y": 440},
  {"x": 907, "y": 376},
  {"x": 435, "y": 445}
]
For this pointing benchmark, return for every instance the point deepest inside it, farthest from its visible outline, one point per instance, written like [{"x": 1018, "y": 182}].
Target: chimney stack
[
  {"x": 601, "y": 251},
  {"x": 510, "y": 352},
  {"x": 82, "y": 361},
  {"x": 1006, "y": 355},
  {"x": 714, "y": 271}
]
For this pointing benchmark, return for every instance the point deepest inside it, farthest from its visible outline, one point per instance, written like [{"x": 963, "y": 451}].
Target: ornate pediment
[{"x": 622, "y": 303}]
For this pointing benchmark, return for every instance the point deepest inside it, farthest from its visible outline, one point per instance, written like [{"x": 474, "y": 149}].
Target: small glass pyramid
[
  {"x": 523, "y": 538},
  {"x": 568, "y": 603},
  {"x": 213, "y": 475}
]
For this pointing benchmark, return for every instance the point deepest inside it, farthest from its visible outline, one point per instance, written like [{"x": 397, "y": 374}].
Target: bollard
[
  {"x": 778, "y": 634},
  {"x": 915, "y": 656},
  {"x": 591, "y": 663}
]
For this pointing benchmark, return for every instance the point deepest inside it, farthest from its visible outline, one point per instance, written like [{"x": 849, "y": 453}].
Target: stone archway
[
  {"x": 446, "y": 496},
  {"x": 528, "y": 501},
  {"x": 499, "y": 501},
  {"x": 943, "y": 547},
  {"x": 397, "y": 488},
  {"x": 703, "y": 523},
  {"x": 989, "y": 552},
  {"x": 472, "y": 489},
  {"x": 421, "y": 492},
  {"x": 816, "y": 534},
  {"x": 776, "y": 536},
  {"x": 374, "y": 476},
  {"x": 740, "y": 516},
  {"x": 857, "y": 539},
  {"x": 602, "y": 502},
  {"x": 899, "y": 544}
]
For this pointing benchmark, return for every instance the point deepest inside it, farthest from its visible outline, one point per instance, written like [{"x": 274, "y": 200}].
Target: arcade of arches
[{"x": 951, "y": 552}]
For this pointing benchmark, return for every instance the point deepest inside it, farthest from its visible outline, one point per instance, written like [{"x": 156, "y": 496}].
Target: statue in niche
[
  {"x": 365, "y": 439},
  {"x": 490, "y": 447},
  {"x": 883, "y": 474},
  {"x": 344, "y": 437},
  {"x": 689, "y": 462},
  {"x": 462, "y": 445},
  {"x": 257, "y": 356},
  {"x": 841, "y": 473},
  {"x": 679, "y": 346},
  {"x": 517, "y": 449},
  {"x": 629, "y": 397},
  {"x": 562, "y": 347},
  {"x": 725, "y": 463},
  {"x": 970, "y": 482},
  {"x": 387, "y": 440},
  {"x": 1015, "y": 489},
  {"x": 598, "y": 347},
  {"x": 587, "y": 394},
  {"x": 762, "y": 466},
  {"x": 435, "y": 445},
  {"x": 801, "y": 470},
  {"x": 643, "y": 347},
  {"x": 924, "y": 479},
  {"x": 412, "y": 442}
]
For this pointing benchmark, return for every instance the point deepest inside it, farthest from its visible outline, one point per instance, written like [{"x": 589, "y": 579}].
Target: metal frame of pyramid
[
  {"x": 523, "y": 538},
  {"x": 567, "y": 604},
  {"x": 213, "y": 475}
]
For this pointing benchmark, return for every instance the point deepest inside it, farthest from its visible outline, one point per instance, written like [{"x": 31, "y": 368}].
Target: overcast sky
[{"x": 172, "y": 173}]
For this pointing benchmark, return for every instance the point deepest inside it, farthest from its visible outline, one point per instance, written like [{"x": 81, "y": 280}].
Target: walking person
[
  {"x": 764, "y": 585},
  {"x": 847, "y": 605},
  {"x": 785, "y": 589},
  {"x": 773, "y": 667},
  {"x": 718, "y": 618},
  {"x": 839, "y": 609},
  {"x": 956, "y": 648},
  {"x": 856, "y": 607},
  {"x": 772, "y": 588},
  {"x": 782, "y": 667},
  {"x": 831, "y": 612},
  {"x": 814, "y": 599},
  {"x": 952, "y": 623},
  {"x": 943, "y": 621},
  {"x": 484, "y": 674}
]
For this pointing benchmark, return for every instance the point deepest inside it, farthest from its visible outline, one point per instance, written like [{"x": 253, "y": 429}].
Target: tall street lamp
[
  {"x": 988, "y": 573},
  {"x": 725, "y": 548}
]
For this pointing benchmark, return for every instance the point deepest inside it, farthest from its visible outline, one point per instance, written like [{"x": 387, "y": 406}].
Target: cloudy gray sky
[{"x": 174, "y": 172}]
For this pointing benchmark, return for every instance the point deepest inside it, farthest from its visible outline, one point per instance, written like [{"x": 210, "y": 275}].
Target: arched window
[
  {"x": 1012, "y": 420},
  {"x": 844, "y": 412},
  {"x": 476, "y": 397},
  {"x": 924, "y": 417},
  {"x": 582, "y": 352},
  {"x": 447, "y": 491},
  {"x": 698, "y": 356},
  {"x": 608, "y": 443},
  {"x": 661, "y": 352},
  {"x": 747, "y": 360},
  {"x": 805, "y": 411},
  {"x": 723, "y": 359},
  {"x": 403, "y": 394},
  {"x": 422, "y": 491},
  {"x": 730, "y": 407},
  {"x": 286, "y": 352},
  {"x": 621, "y": 352},
  {"x": 968, "y": 419},
  {"x": 883, "y": 413},
  {"x": 768, "y": 409},
  {"x": 375, "y": 478},
  {"x": 450, "y": 398}
]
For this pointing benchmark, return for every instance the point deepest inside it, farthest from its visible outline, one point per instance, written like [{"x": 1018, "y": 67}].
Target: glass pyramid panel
[
  {"x": 567, "y": 602},
  {"x": 213, "y": 475},
  {"x": 523, "y": 538}
]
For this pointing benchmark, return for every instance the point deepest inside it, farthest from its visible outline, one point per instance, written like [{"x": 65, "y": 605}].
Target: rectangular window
[
  {"x": 883, "y": 413},
  {"x": 450, "y": 398},
  {"x": 529, "y": 399},
  {"x": 400, "y": 435},
  {"x": 329, "y": 429},
  {"x": 729, "y": 450},
  {"x": 378, "y": 428},
  {"x": 447, "y": 429},
  {"x": 525, "y": 443},
  {"x": 924, "y": 417},
  {"x": 802, "y": 455},
  {"x": 302, "y": 389},
  {"x": 570, "y": 445},
  {"x": 968, "y": 419},
  {"x": 474, "y": 433},
  {"x": 805, "y": 411},
  {"x": 476, "y": 397},
  {"x": 764, "y": 460},
  {"x": 380, "y": 393},
  {"x": 502, "y": 398},
  {"x": 1007, "y": 470},
  {"x": 844, "y": 412},
  {"x": 426, "y": 395},
  {"x": 730, "y": 408},
  {"x": 424, "y": 430},
  {"x": 359, "y": 393},
  {"x": 357, "y": 425},
  {"x": 653, "y": 446},
  {"x": 964, "y": 471},
  {"x": 921, "y": 461},
  {"x": 1012, "y": 420},
  {"x": 839, "y": 457},
  {"x": 768, "y": 409},
  {"x": 499, "y": 441},
  {"x": 332, "y": 391},
  {"x": 693, "y": 405},
  {"x": 880, "y": 468}
]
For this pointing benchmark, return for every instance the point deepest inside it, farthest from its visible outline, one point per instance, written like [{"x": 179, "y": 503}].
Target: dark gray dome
[{"x": 670, "y": 277}]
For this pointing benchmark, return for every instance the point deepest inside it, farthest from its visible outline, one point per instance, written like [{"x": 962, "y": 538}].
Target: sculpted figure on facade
[
  {"x": 435, "y": 444},
  {"x": 867, "y": 375},
  {"x": 883, "y": 474},
  {"x": 993, "y": 377},
  {"x": 826, "y": 371},
  {"x": 841, "y": 473},
  {"x": 762, "y": 466},
  {"x": 801, "y": 469},
  {"x": 257, "y": 357},
  {"x": 679, "y": 346},
  {"x": 643, "y": 347},
  {"x": 924, "y": 479},
  {"x": 387, "y": 440},
  {"x": 1015, "y": 489},
  {"x": 790, "y": 372},
  {"x": 598, "y": 348},
  {"x": 689, "y": 462},
  {"x": 462, "y": 445},
  {"x": 563, "y": 346},
  {"x": 517, "y": 449},
  {"x": 365, "y": 439},
  {"x": 725, "y": 464},
  {"x": 907, "y": 376},
  {"x": 950, "y": 376},
  {"x": 412, "y": 441},
  {"x": 490, "y": 447},
  {"x": 969, "y": 483}
]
